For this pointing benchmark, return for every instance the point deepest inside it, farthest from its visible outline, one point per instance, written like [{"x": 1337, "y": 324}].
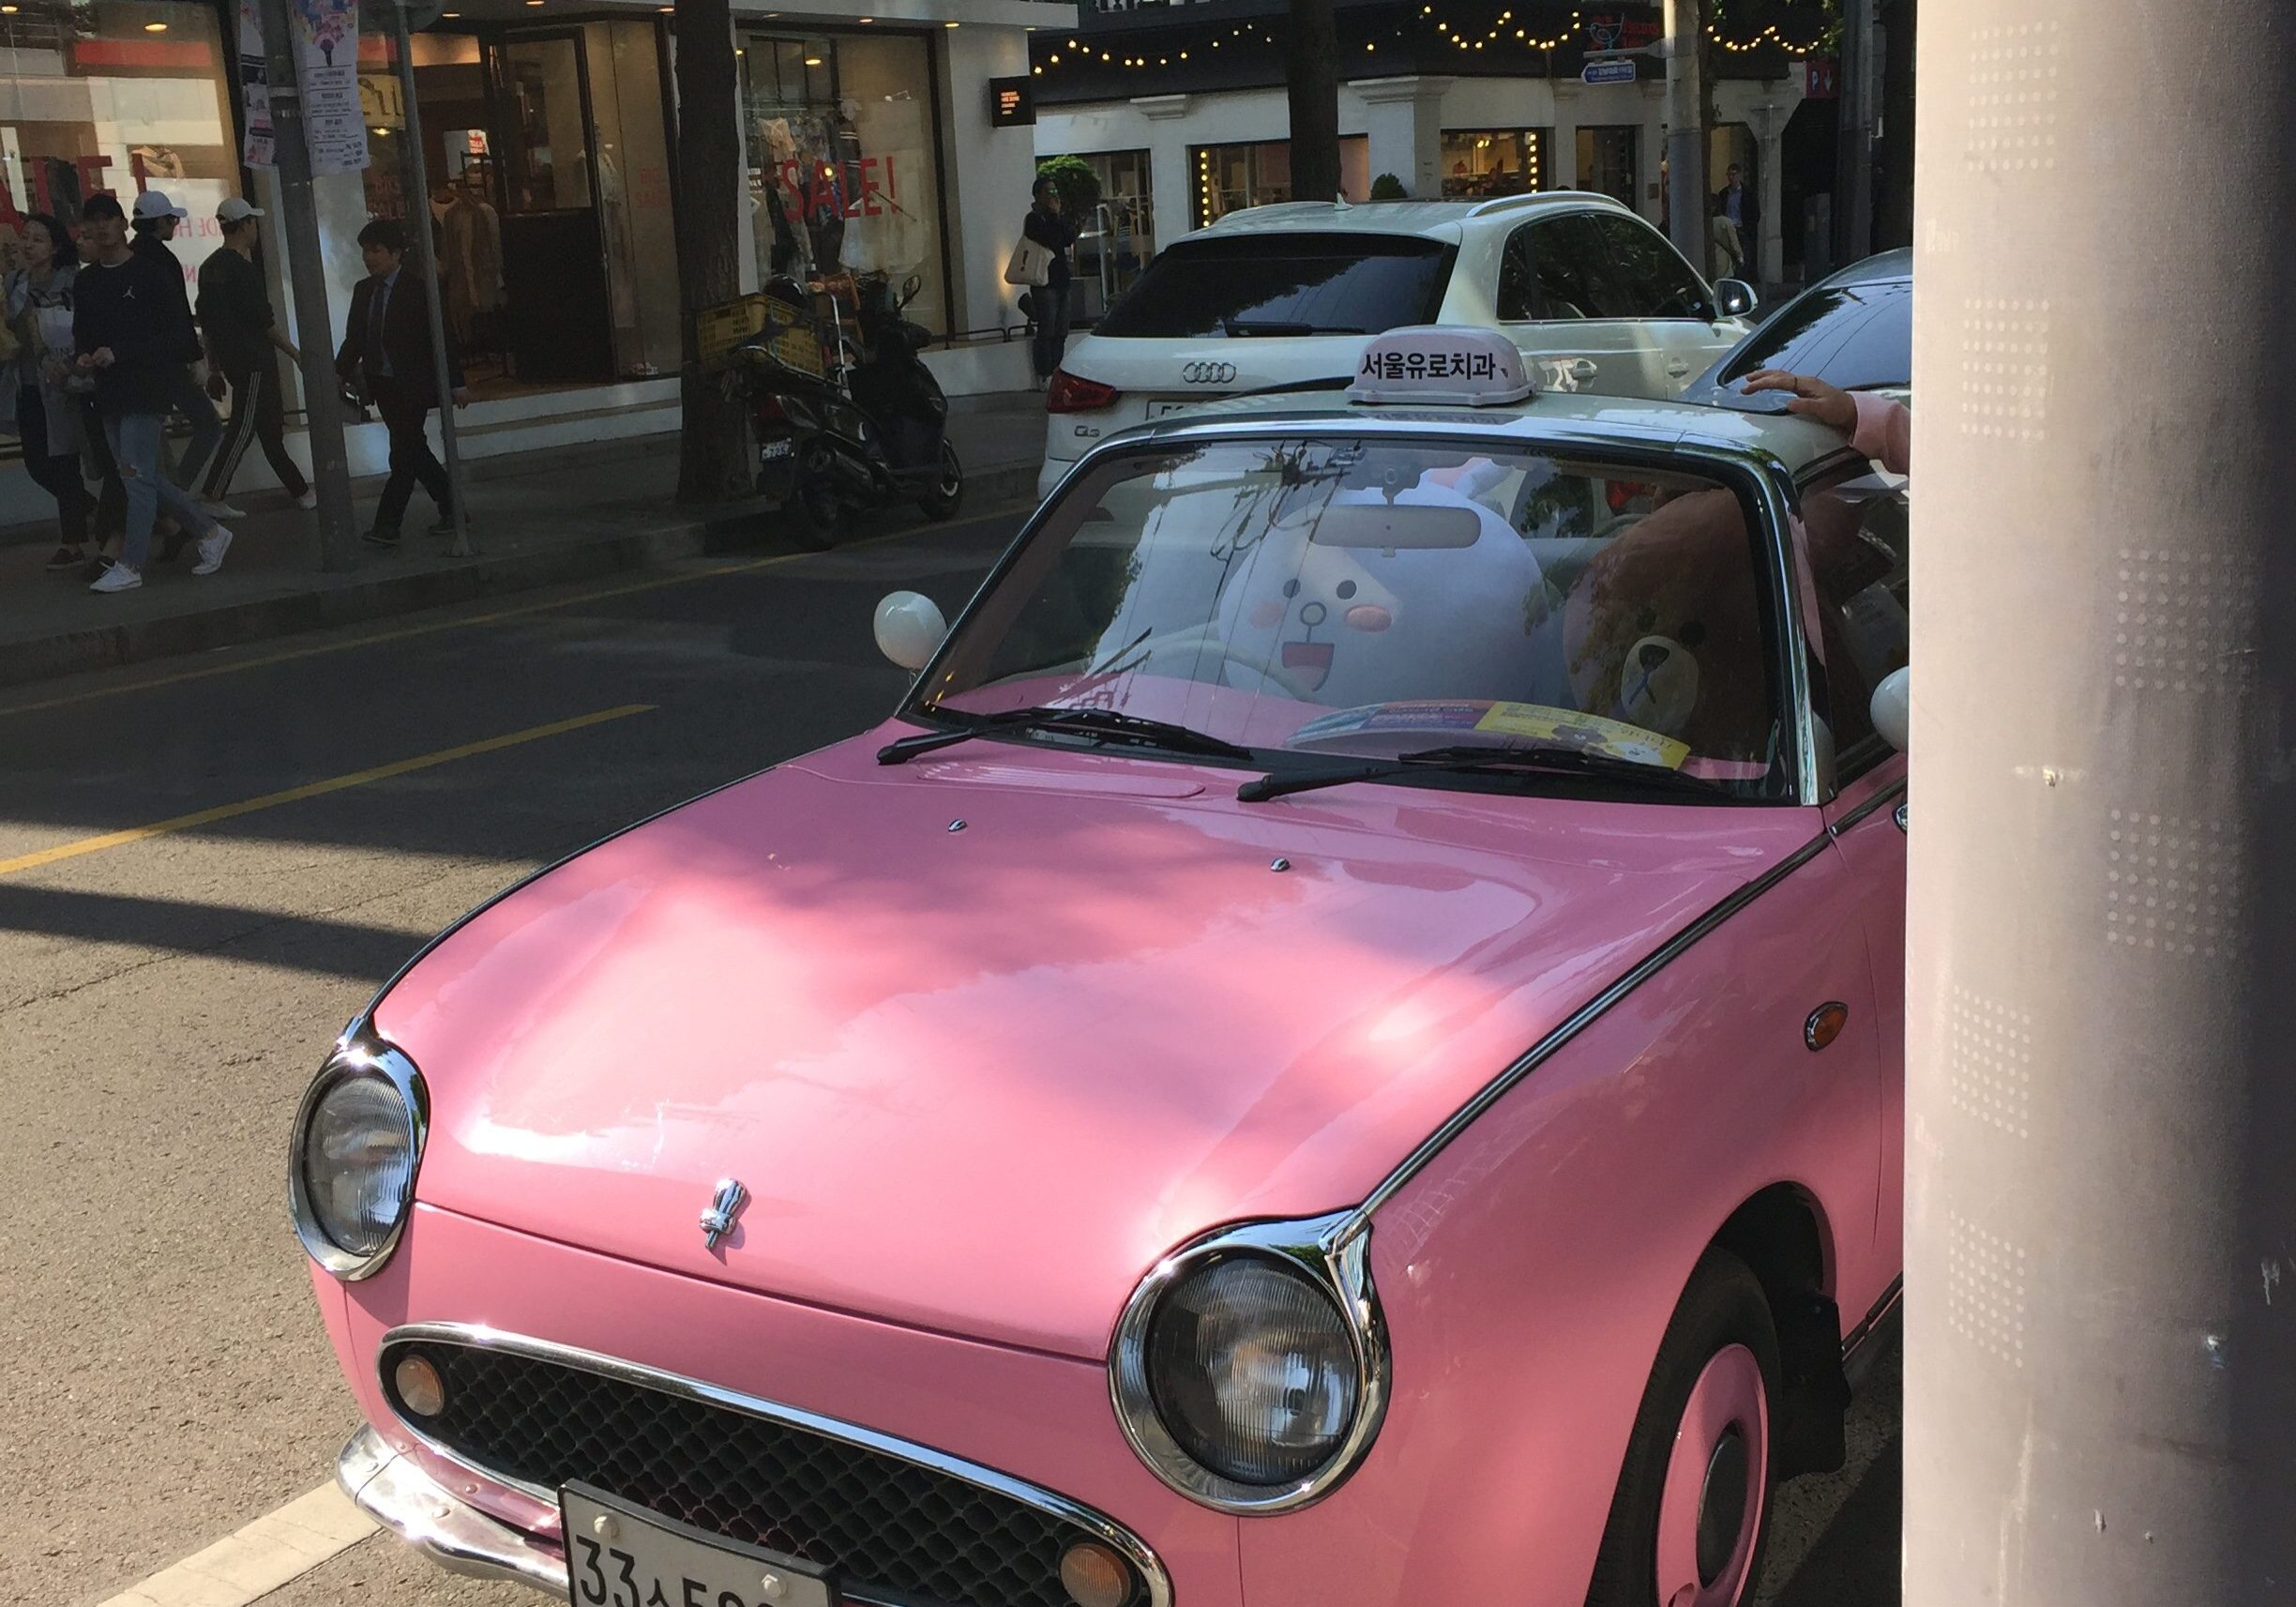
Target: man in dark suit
[
  {"x": 385, "y": 353},
  {"x": 1737, "y": 202}
]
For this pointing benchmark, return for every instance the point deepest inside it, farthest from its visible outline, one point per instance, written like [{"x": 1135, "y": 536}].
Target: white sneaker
[
  {"x": 212, "y": 547},
  {"x": 119, "y": 576},
  {"x": 215, "y": 508},
  {"x": 307, "y": 501}
]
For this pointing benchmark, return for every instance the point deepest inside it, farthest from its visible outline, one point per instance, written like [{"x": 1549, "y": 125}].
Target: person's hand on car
[{"x": 1812, "y": 398}]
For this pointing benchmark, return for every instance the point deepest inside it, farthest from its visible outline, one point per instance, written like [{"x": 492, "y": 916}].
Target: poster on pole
[
  {"x": 326, "y": 65},
  {"x": 255, "y": 81},
  {"x": 325, "y": 41}
]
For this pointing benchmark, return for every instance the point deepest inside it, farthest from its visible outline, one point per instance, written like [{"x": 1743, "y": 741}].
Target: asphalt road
[{"x": 164, "y": 996}]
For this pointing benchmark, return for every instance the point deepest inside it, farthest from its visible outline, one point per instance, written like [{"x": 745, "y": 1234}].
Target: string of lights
[{"x": 1503, "y": 34}]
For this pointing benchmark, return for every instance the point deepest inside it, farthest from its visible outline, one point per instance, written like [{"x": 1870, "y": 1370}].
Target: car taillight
[
  {"x": 1068, "y": 393},
  {"x": 767, "y": 408}
]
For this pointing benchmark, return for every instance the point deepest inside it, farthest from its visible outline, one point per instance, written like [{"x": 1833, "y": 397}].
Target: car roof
[
  {"x": 1584, "y": 419},
  {"x": 1881, "y": 268},
  {"x": 1434, "y": 220}
]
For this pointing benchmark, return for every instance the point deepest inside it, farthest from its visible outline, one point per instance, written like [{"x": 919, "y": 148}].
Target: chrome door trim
[
  {"x": 1577, "y": 1022},
  {"x": 476, "y": 1337},
  {"x": 1872, "y": 802}
]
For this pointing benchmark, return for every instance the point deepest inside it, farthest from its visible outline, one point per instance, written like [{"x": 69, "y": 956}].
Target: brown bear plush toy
[{"x": 1663, "y": 628}]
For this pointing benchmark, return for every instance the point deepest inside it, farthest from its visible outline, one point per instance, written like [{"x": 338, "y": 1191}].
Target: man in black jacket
[
  {"x": 155, "y": 223},
  {"x": 386, "y": 351},
  {"x": 132, "y": 327},
  {"x": 243, "y": 339}
]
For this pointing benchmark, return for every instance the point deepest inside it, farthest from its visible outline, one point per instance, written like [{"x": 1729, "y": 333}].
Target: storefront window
[
  {"x": 1494, "y": 161},
  {"x": 1229, "y": 177},
  {"x": 1607, "y": 161},
  {"x": 118, "y": 98},
  {"x": 546, "y": 153},
  {"x": 842, "y": 173},
  {"x": 1114, "y": 245}
]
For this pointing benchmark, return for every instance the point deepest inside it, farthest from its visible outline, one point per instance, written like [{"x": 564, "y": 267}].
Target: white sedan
[{"x": 1288, "y": 296}]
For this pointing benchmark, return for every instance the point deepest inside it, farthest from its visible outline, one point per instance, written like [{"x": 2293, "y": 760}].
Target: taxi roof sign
[{"x": 1450, "y": 363}]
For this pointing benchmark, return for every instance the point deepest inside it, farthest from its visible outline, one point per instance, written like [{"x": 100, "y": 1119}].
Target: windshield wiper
[
  {"x": 1103, "y": 724},
  {"x": 1472, "y": 759},
  {"x": 1235, "y": 327}
]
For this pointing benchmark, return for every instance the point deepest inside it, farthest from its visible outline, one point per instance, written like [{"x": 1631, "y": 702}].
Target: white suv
[{"x": 1289, "y": 295}]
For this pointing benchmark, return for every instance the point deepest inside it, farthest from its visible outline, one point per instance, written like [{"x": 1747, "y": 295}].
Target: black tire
[
  {"x": 817, "y": 507},
  {"x": 947, "y": 496},
  {"x": 1722, "y": 1309}
]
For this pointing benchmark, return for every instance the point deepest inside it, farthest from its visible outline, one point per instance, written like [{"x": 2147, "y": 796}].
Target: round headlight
[
  {"x": 1253, "y": 1371},
  {"x": 357, "y": 1142}
]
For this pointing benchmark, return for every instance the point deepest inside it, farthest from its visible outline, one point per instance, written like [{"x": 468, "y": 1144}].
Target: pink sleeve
[{"x": 1885, "y": 430}]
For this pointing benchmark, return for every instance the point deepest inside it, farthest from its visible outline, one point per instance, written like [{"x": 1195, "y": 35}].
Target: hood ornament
[{"x": 724, "y": 1210}]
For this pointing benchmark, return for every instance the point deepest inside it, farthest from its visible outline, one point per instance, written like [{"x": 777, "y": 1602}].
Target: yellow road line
[
  {"x": 492, "y": 617},
  {"x": 311, "y": 790}
]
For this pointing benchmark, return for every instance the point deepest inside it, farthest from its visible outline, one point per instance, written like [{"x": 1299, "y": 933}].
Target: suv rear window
[
  {"x": 1284, "y": 284},
  {"x": 1858, "y": 337}
]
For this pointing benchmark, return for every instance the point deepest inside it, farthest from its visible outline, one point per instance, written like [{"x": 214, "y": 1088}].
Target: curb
[{"x": 738, "y": 527}]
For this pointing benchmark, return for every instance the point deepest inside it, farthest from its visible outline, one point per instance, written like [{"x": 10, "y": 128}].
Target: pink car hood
[{"x": 979, "y": 1080}]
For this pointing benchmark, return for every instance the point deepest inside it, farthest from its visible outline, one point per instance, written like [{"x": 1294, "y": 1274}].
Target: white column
[
  {"x": 989, "y": 173},
  {"x": 1403, "y": 119},
  {"x": 1171, "y": 182},
  {"x": 1563, "y": 157}
]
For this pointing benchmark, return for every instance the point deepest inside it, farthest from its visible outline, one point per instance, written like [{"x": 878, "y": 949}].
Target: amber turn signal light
[
  {"x": 1095, "y": 1576},
  {"x": 421, "y": 1391},
  {"x": 1824, "y": 1024}
]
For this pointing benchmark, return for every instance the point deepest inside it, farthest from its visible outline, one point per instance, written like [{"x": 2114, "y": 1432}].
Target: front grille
[{"x": 893, "y": 1531}]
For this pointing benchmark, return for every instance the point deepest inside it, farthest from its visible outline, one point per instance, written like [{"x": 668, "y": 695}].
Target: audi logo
[{"x": 1207, "y": 373}]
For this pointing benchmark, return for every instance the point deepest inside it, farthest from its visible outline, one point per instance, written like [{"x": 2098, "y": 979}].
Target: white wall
[{"x": 987, "y": 172}]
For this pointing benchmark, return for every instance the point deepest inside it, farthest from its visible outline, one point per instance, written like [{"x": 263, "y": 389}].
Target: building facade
[
  {"x": 548, "y": 141},
  {"x": 1181, "y": 110}
]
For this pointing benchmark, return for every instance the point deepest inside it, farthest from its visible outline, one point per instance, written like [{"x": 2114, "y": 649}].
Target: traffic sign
[{"x": 1614, "y": 71}]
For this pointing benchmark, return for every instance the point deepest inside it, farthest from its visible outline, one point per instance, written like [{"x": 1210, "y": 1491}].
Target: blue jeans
[
  {"x": 1050, "y": 303},
  {"x": 134, "y": 439}
]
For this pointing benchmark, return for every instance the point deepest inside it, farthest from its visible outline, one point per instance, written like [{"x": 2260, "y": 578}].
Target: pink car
[{"x": 1342, "y": 1045}]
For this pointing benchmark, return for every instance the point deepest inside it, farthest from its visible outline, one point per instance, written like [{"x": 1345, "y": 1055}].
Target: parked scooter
[{"x": 869, "y": 429}]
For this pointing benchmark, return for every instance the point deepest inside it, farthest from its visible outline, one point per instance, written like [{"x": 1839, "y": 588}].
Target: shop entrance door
[{"x": 556, "y": 321}]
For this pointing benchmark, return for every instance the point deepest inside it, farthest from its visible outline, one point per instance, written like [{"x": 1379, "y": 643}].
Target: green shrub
[
  {"x": 1080, "y": 187},
  {"x": 1387, "y": 187}
]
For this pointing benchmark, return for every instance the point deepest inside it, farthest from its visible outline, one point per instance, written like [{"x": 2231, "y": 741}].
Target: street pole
[
  {"x": 1854, "y": 151},
  {"x": 418, "y": 221},
  {"x": 1686, "y": 133},
  {"x": 2100, "y": 1378},
  {"x": 307, "y": 282}
]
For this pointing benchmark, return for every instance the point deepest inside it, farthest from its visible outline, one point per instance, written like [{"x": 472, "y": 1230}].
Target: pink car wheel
[{"x": 1689, "y": 1520}]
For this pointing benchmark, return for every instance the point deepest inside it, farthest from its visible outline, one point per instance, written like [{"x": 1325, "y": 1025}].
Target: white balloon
[
  {"x": 908, "y": 628},
  {"x": 1893, "y": 710}
]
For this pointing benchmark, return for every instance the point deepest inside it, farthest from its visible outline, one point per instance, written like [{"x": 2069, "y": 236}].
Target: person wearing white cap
[
  {"x": 155, "y": 219},
  {"x": 243, "y": 341}
]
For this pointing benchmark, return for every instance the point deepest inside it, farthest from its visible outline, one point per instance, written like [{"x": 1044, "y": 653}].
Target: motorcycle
[{"x": 869, "y": 427}]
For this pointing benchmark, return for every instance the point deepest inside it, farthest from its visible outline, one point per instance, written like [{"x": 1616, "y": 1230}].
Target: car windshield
[
  {"x": 1375, "y": 597},
  {"x": 1284, "y": 284},
  {"x": 1858, "y": 337}
]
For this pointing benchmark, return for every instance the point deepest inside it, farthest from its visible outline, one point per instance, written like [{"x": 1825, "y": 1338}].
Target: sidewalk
[{"x": 537, "y": 520}]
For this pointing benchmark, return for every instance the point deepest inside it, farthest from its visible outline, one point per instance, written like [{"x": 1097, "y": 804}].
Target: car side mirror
[
  {"x": 1891, "y": 708},
  {"x": 1736, "y": 298},
  {"x": 910, "y": 629}
]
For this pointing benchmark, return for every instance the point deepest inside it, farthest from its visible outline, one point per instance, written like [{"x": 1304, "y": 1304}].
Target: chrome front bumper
[{"x": 424, "y": 1513}]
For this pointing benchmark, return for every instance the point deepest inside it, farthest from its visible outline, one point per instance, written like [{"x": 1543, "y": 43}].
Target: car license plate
[
  {"x": 621, "y": 1556},
  {"x": 768, "y": 450},
  {"x": 1158, "y": 409}
]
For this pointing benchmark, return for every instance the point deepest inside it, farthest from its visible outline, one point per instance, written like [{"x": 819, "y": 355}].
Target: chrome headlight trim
[
  {"x": 1334, "y": 1252},
  {"x": 356, "y": 1057}
]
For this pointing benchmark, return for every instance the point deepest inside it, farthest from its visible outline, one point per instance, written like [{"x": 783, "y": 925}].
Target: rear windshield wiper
[
  {"x": 1104, "y": 724},
  {"x": 1472, "y": 759},
  {"x": 1234, "y": 327}
]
